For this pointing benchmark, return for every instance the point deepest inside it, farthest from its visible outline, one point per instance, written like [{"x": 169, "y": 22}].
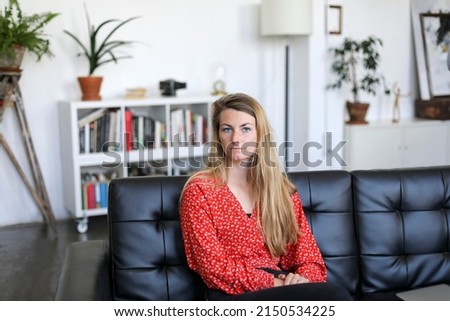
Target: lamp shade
[{"x": 286, "y": 17}]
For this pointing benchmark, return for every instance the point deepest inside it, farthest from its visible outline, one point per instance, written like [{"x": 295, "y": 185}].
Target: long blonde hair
[{"x": 271, "y": 188}]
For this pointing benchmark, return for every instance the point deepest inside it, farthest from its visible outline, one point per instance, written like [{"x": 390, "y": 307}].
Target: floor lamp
[{"x": 286, "y": 18}]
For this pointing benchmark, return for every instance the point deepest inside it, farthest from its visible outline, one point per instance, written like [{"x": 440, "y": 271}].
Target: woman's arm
[{"x": 304, "y": 258}]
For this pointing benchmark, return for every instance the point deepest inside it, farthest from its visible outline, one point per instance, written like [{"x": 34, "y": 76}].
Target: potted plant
[
  {"x": 20, "y": 33},
  {"x": 99, "y": 52},
  {"x": 356, "y": 63}
]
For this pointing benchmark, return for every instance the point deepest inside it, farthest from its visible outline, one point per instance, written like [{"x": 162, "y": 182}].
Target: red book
[
  {"x": 91, "y": 195},
  {"x": 128, "y": 129}
]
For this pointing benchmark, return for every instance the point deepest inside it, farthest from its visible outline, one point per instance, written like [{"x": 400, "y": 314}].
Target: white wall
[
  {"x": 390, "y": 21},
  {"x": 185, "y": 40}
]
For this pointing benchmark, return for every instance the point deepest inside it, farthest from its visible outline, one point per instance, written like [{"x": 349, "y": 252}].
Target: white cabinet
[
  {"x": 101, "y": 140},
  {"x": 406, "y": 144}
]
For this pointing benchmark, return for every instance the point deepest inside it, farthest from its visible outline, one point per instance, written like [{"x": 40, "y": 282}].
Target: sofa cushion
[
  {"x": 403, "y": 224},
  {"x": 328, "y": 205}
]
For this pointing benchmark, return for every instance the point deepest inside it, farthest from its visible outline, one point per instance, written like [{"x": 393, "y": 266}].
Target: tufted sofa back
[
  {"x": 403, "y": 224},
  {"x": 147, "y": 254},
  {"x": 146, "y": 248},
  {"x": 328, "y": 204},
  {"x": 378, "y": 231}
]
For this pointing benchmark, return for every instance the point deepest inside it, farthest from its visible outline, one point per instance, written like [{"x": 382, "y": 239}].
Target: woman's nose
[{"x": 235, "y": 136}]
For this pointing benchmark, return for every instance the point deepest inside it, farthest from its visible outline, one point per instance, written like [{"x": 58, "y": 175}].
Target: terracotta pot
[
  {"x": 90, "y": 87},
  {"x": 12, "y": 64},
  {"x": 357, "y": 113}
]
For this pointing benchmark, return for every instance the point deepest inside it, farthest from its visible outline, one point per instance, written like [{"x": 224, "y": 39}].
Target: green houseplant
[
  {"x": 356, "y": 63},
  {"x": 98, "y": 52},
  {"x": 20, "y": 33}
]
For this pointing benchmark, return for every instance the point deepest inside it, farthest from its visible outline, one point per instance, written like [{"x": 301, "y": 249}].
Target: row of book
[
  {"x": 100, "y": 130},
  {"x": 94, "y": 190},
  {"x": 187, "y": 127},
  {"x": 142, "y": 131}
]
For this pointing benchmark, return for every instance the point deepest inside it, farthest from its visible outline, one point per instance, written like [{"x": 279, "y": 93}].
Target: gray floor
[{"x": 31, "y": 257}]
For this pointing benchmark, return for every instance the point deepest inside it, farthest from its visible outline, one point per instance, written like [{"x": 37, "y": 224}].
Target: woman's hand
[{"x": 291, "y": 278}]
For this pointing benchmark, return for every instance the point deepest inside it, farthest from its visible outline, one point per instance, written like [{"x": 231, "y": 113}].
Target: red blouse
[{"x": 226, "y": 247}]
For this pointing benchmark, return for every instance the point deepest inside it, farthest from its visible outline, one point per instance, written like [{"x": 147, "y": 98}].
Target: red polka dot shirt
[{"x": 226, "y": 248}]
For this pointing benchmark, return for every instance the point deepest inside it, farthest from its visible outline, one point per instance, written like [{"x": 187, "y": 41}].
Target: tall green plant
[
  {"x": 27, "y": 31},
  {"x": 356, "y": 62},
  {"x": 100, "y": 52}
]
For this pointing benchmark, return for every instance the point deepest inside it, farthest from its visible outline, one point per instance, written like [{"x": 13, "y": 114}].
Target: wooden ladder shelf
[{"x": 10, "y": 96}]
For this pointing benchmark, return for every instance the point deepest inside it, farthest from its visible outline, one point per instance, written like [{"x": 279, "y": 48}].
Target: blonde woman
[{"x": 242, "y": 220}]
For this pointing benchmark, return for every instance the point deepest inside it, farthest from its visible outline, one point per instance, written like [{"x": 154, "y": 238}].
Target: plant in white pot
[
  {"x": 98, "y": 52},
  {"x": 21, "y": 33},
  {"x": 356, "y": 63}
]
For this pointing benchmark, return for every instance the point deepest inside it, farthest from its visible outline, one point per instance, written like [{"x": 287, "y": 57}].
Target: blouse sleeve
[
  {"x": 205, "y": 254},
  {"x": 304, "y": 257}
]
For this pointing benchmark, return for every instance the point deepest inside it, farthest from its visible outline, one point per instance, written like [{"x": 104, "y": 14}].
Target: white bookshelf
[{"x": 168, "y": 159}]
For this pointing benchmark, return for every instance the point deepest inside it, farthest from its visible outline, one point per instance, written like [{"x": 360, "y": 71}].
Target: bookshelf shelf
[{"x": 102, "y": 140}]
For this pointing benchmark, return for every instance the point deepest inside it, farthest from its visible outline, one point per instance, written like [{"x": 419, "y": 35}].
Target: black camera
[{"x": 168, "y": 87}]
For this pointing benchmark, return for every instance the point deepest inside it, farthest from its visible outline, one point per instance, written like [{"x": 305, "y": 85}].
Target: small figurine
[{"x": 396, "y": 109}]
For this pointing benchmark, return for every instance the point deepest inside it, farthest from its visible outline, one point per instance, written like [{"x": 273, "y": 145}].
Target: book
[
  {"x": 188, "y": 136},
  {"x": 128, "y": 130},
  {"x": 140, "y": 130},
  {"x": 103, "y": 194},
  {"x": 84, "y": 202},
  {"x": 81, "y": 133},
  {"x": 158, "y": 136},
  {"x": 149, "y": 132},
  {"x": 136, "y": 93},
  {"x": 90, "y": 187},
  {"x": 198, "y": 129},
  {"x": 97, "y": 194},
  {"x": 112, "y": 125},
  {"x": 177, "y": 125},
  {"x": 118, "y": 129},
  {"x": 91, "y": 117}
]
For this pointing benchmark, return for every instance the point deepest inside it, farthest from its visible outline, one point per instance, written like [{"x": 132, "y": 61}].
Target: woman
[{"x": 242, "y": 220}]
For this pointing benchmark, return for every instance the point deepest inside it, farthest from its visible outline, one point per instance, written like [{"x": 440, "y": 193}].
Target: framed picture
[
  {"x": 334, "y": 19},
  {"x": 436, "y": 41},
  {"x": 419, "y": 7}
]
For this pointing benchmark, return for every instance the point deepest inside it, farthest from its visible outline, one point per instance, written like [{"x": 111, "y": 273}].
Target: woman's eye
[
  {"x": 226, "y": 129},
  {"x": 246, "y": 129}
]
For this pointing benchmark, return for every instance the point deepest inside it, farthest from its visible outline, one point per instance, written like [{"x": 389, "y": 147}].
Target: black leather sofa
[{"x": 380, "y": 231}]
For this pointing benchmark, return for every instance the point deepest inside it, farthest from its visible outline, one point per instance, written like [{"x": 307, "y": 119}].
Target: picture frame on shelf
[{"x": 435, "y": 29}]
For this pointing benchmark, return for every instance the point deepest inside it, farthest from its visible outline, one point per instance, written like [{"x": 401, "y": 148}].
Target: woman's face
[{"x": 237, "y": 135}]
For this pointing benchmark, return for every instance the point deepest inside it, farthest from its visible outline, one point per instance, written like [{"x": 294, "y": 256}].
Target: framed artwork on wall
[
  {"x": 419, "y": 7},
  {"x": 334, "y": 19},
  {"x": 436, "y": 42}
]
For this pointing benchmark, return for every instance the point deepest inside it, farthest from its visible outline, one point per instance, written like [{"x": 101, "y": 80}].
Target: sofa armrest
[{"x": 85, "y": 273}]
